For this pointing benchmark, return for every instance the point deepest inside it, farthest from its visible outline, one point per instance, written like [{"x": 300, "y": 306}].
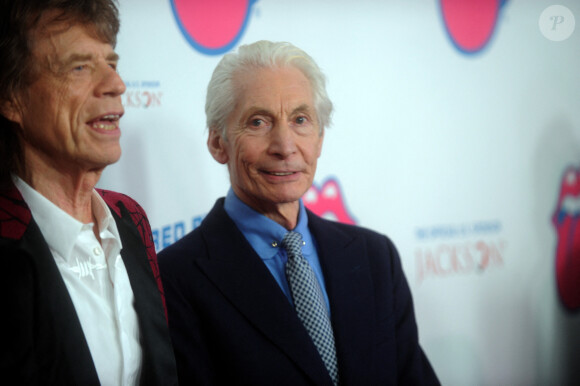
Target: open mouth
[{"x": 107, "y": 122}]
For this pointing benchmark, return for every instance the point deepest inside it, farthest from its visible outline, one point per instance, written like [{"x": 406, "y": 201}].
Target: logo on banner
[
  {"x": 212, "y": 27},
  {"x": 566, "y": 220},
  {"x": 144, "y": 94},
  {"x": 328, "y": 202},
  {"x": 470, "y": 24},
  {"x": 557, "y": 23},
  {"x": 167, "y": 234},
  {"x": 459, "y": 250}
]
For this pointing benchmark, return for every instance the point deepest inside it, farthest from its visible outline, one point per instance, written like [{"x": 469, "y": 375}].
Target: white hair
[{"x": 221, "y": 93}]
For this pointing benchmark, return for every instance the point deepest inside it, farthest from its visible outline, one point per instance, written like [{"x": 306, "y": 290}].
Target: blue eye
[
  {"x": 259, "y": 122},
  {"x": 256, "y": 122}
]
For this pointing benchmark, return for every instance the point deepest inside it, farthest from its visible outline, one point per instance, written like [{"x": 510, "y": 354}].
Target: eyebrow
[
  {"x": 255, "y": 110},
  {"x": 112, "y": 57},
  {"x": 262, "y": 111},
  {"x": 302, "y": 108}
]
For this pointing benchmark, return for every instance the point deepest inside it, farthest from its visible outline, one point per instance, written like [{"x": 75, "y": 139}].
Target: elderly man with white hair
[{"x": 264, "y": 292}]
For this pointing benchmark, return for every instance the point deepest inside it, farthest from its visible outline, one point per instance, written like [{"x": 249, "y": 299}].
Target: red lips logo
[
  {"x": 566, "y": 220},
  {"x": 328, "y": 202},
  {"x": 470, "y": 23},
  {"x": 212, "y": 27}
]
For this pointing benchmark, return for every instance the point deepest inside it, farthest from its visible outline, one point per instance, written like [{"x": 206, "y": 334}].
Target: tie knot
[{"x": 292, "y": 242}]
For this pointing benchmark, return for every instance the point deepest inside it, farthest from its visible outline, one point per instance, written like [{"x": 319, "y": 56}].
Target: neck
[
  {"x": 69, "y": 191},
  {"x": 284, "y": 214}
]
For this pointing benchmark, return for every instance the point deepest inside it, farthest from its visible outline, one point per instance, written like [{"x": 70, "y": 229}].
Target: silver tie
[{"x": 309, "y": 302}]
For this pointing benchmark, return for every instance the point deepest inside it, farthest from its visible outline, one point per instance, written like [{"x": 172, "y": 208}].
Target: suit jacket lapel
[
  {"x": 351, "y": 296},
  {"x": 66, "y": 355},
  {"x": 158, "y": 364},
  {"x": 62, "y": 355},
  {"x": 239, "y": 273}
]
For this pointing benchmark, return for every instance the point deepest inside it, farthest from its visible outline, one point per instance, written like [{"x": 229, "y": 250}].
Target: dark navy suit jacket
[
  {"x": 231, "y": 324},
  {"x": 42, "y": 342}
]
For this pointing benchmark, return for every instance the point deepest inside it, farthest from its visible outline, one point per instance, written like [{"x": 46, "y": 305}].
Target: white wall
[{"x": 458, "y": 157}]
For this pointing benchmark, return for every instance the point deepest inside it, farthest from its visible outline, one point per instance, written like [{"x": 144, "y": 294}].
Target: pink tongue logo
[
  {"x": 566, "y": 221},
  {"x": 327, "y": 202},
  {"x": 470, "y": 23},
  {"x": 212, "y": 27}
]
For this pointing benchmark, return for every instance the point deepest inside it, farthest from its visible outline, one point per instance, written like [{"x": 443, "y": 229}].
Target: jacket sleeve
[
  {"x": 17, "y": 353},
  {"x": 413, "y": 367}
]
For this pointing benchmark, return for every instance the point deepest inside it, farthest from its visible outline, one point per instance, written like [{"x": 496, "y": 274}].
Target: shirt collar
[
  {"x": 107, "y": 225},
  {"x": 59, "y": 229},
  {"x": 264, "y": 234}
]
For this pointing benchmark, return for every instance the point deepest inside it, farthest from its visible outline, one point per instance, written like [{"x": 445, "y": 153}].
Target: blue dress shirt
[{"x": 265, "y": 236}]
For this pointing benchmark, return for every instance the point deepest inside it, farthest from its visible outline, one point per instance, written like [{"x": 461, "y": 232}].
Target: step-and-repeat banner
[{"x": 456, "y": 132}]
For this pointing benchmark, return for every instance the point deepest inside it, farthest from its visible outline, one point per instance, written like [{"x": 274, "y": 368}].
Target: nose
[
  {"x": 282, "y": 140},
  {"x": 111, "y": 83}
]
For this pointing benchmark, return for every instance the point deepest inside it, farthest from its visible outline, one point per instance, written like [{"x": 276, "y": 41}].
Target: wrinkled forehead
[
  {"x": 53, "y": 23},
  {"x": 55, "y": 45},
  {"x": 246, "y": 79},
  {"x": 56, "y": 22}
]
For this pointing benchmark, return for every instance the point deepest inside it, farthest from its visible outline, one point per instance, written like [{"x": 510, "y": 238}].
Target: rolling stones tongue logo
[
  {"x": 212, "y": 26},
  {"x": 566, "y": 221},
  {"x": 470, "y": 24},
  {"x": 327, "y": 202}
]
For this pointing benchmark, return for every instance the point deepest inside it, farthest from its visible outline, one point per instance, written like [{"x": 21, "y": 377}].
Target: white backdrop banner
[{"x": 456, "y": 132}]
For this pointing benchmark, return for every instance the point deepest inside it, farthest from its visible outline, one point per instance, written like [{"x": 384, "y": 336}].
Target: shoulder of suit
[
  {"x": 318, "y": 221},
  {"x": 348, "y": 230},
  {"x": 192, "y": 243},
  {"x": 15, "y": 215},
  {"x": 189, "y": 245}
]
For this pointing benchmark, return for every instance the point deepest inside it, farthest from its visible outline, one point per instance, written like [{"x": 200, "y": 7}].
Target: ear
[
  {"x": 11, "y": 111},
  {"x": 216, "y": 144}
]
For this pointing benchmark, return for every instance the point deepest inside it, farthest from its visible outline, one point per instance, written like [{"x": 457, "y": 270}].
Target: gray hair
[
  {"x": 221, "y": 93},
  {"x": 18, "y": 69}
]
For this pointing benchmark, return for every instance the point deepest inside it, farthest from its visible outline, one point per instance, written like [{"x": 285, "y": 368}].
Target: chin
[
  {"x": 112, "y": 156},
  {"x": 287, "y": 197},
  {"x": 106, "y": 160}
]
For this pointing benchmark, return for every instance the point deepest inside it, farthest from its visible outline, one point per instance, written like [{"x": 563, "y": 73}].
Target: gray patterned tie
[{"x": 309, "y": 302}]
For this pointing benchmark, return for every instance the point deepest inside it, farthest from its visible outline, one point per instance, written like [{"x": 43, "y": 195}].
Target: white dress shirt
[{"x": 97, "y": 282}]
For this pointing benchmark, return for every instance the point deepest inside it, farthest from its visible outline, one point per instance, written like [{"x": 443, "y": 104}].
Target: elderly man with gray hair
[{"x": 264, "y": 292}]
